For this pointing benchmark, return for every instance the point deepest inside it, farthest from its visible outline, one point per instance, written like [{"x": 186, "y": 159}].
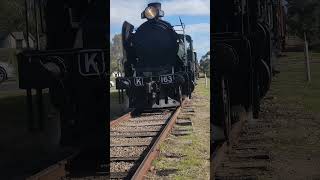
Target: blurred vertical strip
[{"x": 27, "y": 22}]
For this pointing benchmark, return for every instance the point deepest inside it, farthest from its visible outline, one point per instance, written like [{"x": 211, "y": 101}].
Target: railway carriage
[
  {"x": 246, "y": 36},
  {"x": 159, "y": 63}
]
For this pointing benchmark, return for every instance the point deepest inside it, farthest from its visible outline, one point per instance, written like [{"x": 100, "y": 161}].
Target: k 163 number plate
[{"x": 166, "y": 79}]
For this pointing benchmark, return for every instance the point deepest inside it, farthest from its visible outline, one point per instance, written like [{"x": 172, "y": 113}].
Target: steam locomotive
[
  {"x": 246, "y": 37},
  {"x": 159, "y": 63},
  {"x": 70, "y": 63}
]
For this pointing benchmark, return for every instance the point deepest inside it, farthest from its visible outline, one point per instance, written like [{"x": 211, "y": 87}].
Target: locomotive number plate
[
  {"x": 138, "y": 81},
  {"x": 91, "y": 62},
  {"x": 166, "y": 79}
]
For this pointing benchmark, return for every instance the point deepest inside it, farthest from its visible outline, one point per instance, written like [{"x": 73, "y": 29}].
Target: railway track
[
  {"x": 247, "y": 156},
  {"x": 134, "y": 144},
  {"x": 55, "y": 171}
]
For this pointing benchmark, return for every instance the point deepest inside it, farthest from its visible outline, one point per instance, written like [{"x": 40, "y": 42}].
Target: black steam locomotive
[
  {"x": 70, "y": 63},
  {"x": 246, "y": 37},
  {"x": 159, "y": 63}
]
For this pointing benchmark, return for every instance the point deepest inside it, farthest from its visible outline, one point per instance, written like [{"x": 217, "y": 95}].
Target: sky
[{"x": 195, "y": 14}]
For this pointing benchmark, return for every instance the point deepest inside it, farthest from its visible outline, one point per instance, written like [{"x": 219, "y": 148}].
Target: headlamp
[{"x": 151, "y": 12}]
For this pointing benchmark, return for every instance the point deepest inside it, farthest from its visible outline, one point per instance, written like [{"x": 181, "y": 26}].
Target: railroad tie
[
  {"x": 124, "y": 158},
  {"x": 131, "y": 135},
  {"x": 144, "y": 124},
  {"x": 118, "y": 175},
  {"x": 130, "y": 144},
  {"x": 184, "y": 122},
  {"x": 187, "y": 110},
  {"x": 183, "y": 126},
  {"x": 230, "y": 177}
]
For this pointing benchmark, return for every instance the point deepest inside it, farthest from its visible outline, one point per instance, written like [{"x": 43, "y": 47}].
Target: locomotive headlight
[{"x": 150, "y": 12}]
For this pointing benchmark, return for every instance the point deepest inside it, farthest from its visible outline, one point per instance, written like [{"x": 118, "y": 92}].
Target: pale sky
[{"x": 195, "y": 14}]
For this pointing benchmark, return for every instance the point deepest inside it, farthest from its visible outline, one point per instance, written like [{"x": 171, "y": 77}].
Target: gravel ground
[
  {"x": 130, "y": 140},
  {"x": 129, "y": 128},
  {"x": 121, "y": 166},
  {"x": 296, "y": 139},
  {"x": 152, "y": 117},
  {"x": 126, "y": 151},
  {"x": 138, "y": 122},
  {"x": 136, "y": 133},
  {"x": 138, "y": 129}
]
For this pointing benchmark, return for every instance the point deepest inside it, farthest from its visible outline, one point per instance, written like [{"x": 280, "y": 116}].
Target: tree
[
  {"x": 12, "y": 15},
  {"x": 116, "y": 52},
  {"x": 304, "y": 16},
  {"x": 205, "y": 64}
]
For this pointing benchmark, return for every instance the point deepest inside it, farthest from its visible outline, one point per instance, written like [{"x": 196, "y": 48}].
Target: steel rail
[
  {"x": 124, "y": 117},
  {"x": 55, "y": 171},
  {"x": 58, "y": 170},
  {"x": 154, "y": 151}
]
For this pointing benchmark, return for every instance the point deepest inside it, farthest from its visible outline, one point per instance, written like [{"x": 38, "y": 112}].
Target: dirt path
[
  {"x": 293, "y": 112},
  {"x": 284, "y": 143},
  {"x": 295, "y": 138}
]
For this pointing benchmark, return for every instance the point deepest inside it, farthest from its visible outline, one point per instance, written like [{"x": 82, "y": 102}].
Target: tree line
[
  {"x": 13, "y": 16},
  {"x": 116, "y": 53},
  {"x": 304, "y": 17}
]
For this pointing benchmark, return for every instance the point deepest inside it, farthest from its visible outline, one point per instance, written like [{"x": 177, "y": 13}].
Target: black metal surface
[
  {"x": 158, "y": 62},
  {"x": 72, "y": 64},
  {"x": 40, "y": 109},
  {"x": 151, "y": 40},
  {"x": 30, "y": 109},
  {"x": 243, "y": 46}
]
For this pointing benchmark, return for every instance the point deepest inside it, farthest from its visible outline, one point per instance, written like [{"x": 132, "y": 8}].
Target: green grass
[
  {"x": 191, "y": 164},
  {"x": 8, "y": 55},
  {"x": 7, "y": 94},
  {"x": 13, "y": 108},
  {"x": 291, "y": 84},
  {"x": 194, "y": 148},
  {"x": 315, "y": 48},
  {"x": 202, "y": 89},
  {"x": 116, "y": 109}
]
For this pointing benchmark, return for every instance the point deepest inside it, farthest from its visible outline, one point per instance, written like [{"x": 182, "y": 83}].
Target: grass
[
  {"x": 202, "y": 89},
  {"x": 291, "y": 84},
  {"x": 8, "y": 55},
  {"x": 193, "y": 151},
  {"x": 116, "y": 109},
  {"x": 8, "y": 94},
  {"x": 13, "y": 108},
  {"x": 292, "y": 110}
]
